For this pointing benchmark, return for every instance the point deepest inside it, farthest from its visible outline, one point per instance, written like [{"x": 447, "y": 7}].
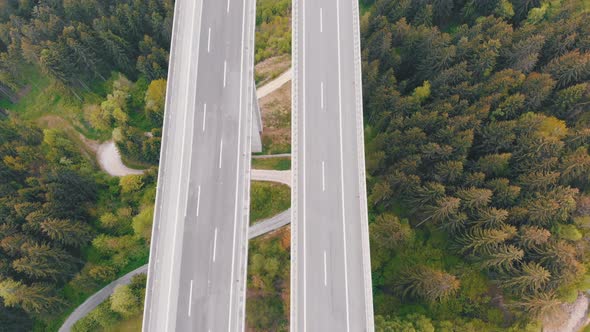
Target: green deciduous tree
[
  {"x": 142, "y": 223},
  {"x": 155, "y": 99},
  {"x": 124, "y": 302}
]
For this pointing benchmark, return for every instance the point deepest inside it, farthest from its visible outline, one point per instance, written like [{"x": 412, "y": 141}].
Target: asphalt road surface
[
  {"x": 330, "y": 271},
  {"x": 197, "y": 269}
]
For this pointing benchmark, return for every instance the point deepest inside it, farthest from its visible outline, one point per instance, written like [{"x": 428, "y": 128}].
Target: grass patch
[
  {"x": 134, "y": 164},
  {"x": 268, "y": 199},
  {"x": 43, "y": 97},
  {"x": 76, "y": 296},
  {"x": 276, "y": 116},
  {"x": 271, "y": 68},
  {"x": 277, "y": 164},
  {"x": 273, "y": 28},
  {"x": 129, "y": 325},
  {"x": 268, "y": 294},
  {"x": 364, "y": 7}
]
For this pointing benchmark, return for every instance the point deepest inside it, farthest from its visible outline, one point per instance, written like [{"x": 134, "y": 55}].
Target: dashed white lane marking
[
  {"x": 224, "y": 73},
  {"x": 209, "y": 42},
  {"x": 190, "y": 299},
  {"x": 325, "y": 269},
  {"x": 204, "y": 116}
]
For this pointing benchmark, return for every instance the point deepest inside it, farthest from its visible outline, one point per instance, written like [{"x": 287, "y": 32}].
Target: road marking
[
  {"x": 190, "y": 299},
  {"x": 342, "y": 165},
  {"x": 178, "y": 200},
  {"x": 198, "y": 199},
  {"x": 233, "y": 258},
  {"x": 209, "y": 42},
  {"x": 325, "y": 270},
  {"x": 322, "y": 94},
  {"x": 224, "y": 73},
  {"x": 303, "y": 185},
  {"x": 147, "y": 317},
  {"x": 228, "y": 5},
  {"x": 321, "y": 20},
  {"x": 220, "y": 153},
  {"x": 214, "y": 244},
  {"x": 204, "y": 116},
  {"x": 323, "y": 176}
]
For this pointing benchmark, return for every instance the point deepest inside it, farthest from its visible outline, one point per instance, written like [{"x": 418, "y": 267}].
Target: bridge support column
[{"x": 256, "y": 125}]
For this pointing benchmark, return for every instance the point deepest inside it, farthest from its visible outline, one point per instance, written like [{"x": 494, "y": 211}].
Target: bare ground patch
[
  {"x": 271, "y": 68},
  {"x": 276, "y": 117}
]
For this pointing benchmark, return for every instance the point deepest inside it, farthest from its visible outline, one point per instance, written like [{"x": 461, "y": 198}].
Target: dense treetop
[
  {"x": 478, "y": 135},
  {"x": 77, "y": 41}
]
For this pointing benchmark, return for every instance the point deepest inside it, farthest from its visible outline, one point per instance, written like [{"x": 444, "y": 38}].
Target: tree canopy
[{"x": 477, "y": 138}]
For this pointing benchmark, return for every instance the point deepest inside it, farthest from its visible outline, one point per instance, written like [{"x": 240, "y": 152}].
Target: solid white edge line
[
  {"x": 303, "y": 184},
  {"x": 370, "y": 320},
  {"x": 190, "y": 299},
  {"x": 251, "y": 94},
  {"x": 146, "y": 321},
  {"x": 342, "y": 166},
  {"x": 293, "y": 301},
  {"x": 214, "y": 244},
  {"x": 180, "y": 180},
  {"x": 231, "y": 289}
]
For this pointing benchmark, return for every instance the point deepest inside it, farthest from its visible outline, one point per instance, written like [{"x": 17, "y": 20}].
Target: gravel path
[
  {"x": 572, "y": 318},
  {"x": 110, "y": 161},
  {"x": 260, "y": 228},
  {"x": 108, "y": 155},
  {"x": 278, "y": 82},
  {"x": 109, "y": 158},
  {"x": 283, "y": 177},
  {"x": 98, "y": 297},
  {"x": 270, "y": 224}
]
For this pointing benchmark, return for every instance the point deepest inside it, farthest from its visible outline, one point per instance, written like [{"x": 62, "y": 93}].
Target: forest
[
  {"x": 66, "y": 229},
  {"x": 477, "y": 134},
  {"x": 79, "y": 41},
  {"x": 84, "y": 45},
  {"x": 477, "y": 129}
]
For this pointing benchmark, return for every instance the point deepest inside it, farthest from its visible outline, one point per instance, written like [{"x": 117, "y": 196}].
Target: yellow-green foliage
[
  {"x": 268, "y": 199},
  {"x": 131, "y": 183},
  {"x": 155, "y": 98},
  {"x": 273, "y": 33},
  {"x": 142, "y": 223}
]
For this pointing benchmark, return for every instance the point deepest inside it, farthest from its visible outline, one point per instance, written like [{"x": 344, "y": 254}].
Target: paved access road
[
  {"x": 198, "y": 258},
  {"x": 331, "y": 276}
]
